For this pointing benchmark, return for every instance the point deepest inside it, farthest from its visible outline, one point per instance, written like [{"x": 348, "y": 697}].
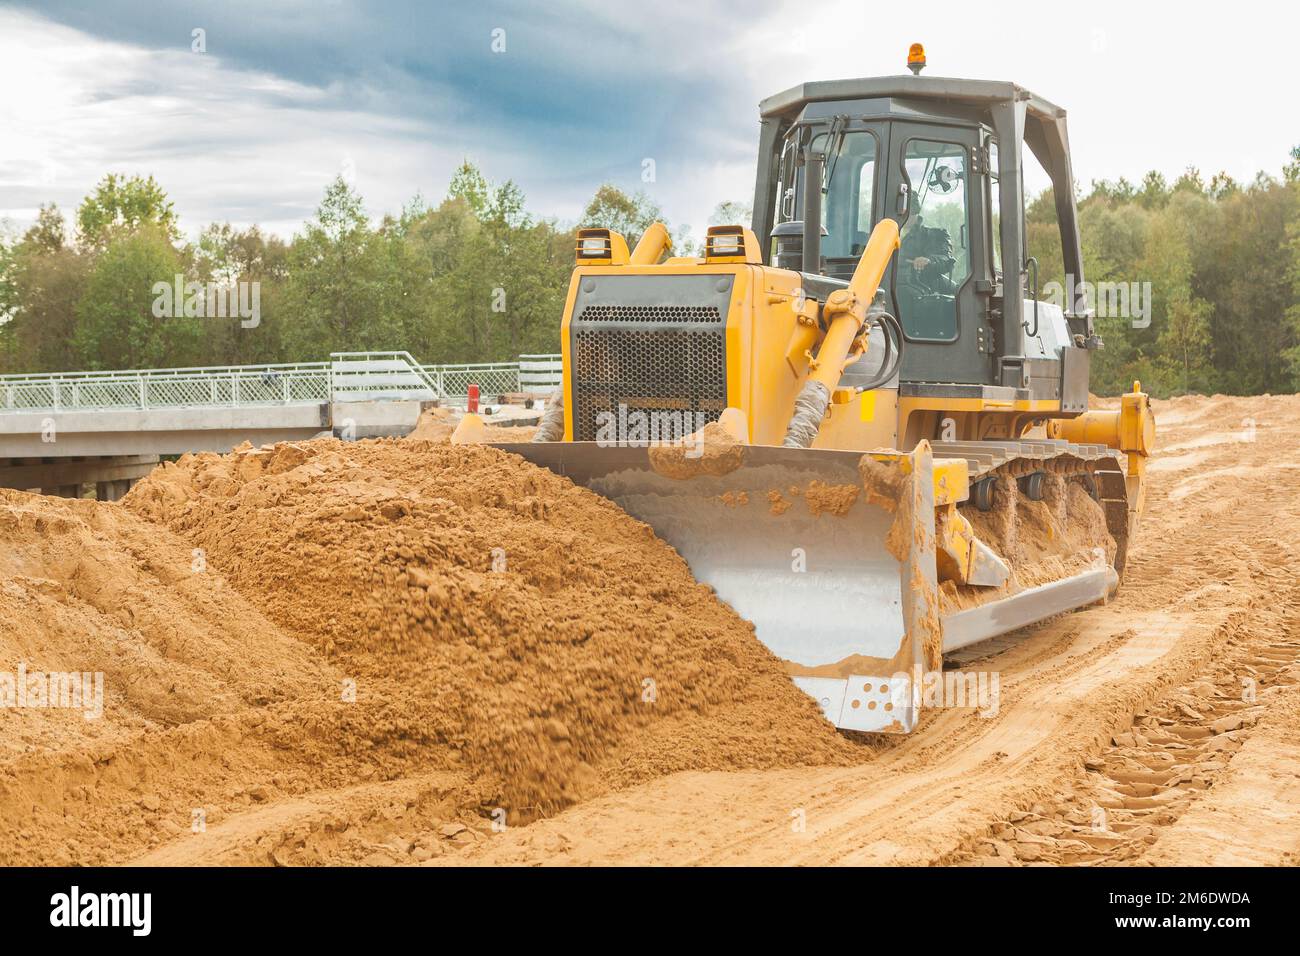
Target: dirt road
[{"x": 1158, "y": 729}]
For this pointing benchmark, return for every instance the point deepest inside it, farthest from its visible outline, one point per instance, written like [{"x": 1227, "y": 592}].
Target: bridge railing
[
  {"x": 348, "y": 376},
  {"x": 540, "y": 373},
  {"x": 162, "y": 388},
  {"x": 379, "y": 376},
  {"x": 492, "y": 378}
]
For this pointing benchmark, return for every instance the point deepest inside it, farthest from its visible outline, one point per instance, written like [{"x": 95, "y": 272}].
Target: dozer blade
[{"x": 838, "y": 578}]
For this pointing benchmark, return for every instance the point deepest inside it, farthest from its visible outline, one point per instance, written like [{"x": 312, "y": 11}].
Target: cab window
[
  {"x": 849, "y": 175},
  {"x": 934, "y": 256}
]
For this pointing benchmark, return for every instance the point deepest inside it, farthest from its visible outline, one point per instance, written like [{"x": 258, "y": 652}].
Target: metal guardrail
[
  {"x": 540, "y": 373},
  {"x": 452, "y": 381},
  {"x": 379, "y": 376},
  {"x": 348, "y": 376},
  {"x": 161, "y": 388}
]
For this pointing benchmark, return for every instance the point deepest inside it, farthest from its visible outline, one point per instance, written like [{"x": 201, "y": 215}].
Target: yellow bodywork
[
  {"x": 1131, "y": 428},
  {"x": 774, "y": 343},
  {"x": 777, "y": 339}
]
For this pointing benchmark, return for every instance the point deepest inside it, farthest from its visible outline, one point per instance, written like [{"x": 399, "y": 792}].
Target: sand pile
[
  {"x": 148, "y": 684},
  {"x": 437, "y": 424},
  {"x": 492, "y": 614},
  {"x": 90, "y": 588},
  {"x": 434, "y": 424}
]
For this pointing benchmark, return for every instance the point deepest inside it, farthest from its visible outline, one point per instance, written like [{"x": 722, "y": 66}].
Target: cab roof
[{"x": 986, "y": 93}]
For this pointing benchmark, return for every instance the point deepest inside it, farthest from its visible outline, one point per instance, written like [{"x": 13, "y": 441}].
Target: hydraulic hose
[{"x": 893, "y": 333}]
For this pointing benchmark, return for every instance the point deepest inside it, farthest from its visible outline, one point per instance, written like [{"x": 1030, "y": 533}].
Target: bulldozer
[{"x": 835, "y": 413}]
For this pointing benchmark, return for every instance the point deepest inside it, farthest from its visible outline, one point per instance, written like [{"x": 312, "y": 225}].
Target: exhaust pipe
[{"x": 812, "y": 212}]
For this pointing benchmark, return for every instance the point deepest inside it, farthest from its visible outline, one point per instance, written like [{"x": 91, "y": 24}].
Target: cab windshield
[{"x": 849, "y": 183}]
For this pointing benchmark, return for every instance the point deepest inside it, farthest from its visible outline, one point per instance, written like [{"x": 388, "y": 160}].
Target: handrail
[
  {"x": 347, "y": 373},
  {"x": 178, "y": 371}
]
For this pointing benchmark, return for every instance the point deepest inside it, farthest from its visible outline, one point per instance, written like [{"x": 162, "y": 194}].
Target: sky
[{"x": 563, "y": 96}]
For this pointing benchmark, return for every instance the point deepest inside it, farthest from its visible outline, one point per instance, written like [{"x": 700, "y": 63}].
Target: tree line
[
  {"x": 477, "y": 278},
  {"x": 1222, "y": 260}
]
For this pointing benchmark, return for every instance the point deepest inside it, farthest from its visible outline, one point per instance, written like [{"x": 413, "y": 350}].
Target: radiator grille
[
  {"x": 664, "y": 369},
  {"x": 650, "y": 345}
]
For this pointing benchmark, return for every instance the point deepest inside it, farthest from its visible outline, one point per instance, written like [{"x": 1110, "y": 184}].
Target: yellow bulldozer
[{"x": 858, "y": 419}]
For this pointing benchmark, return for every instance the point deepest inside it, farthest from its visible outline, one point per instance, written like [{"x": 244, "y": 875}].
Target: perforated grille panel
[
  {"x": 650, "y": 313},
  {"x": 649, "y": 358}
]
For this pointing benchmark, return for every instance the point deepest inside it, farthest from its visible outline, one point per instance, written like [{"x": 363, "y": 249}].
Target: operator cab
[
  {"x": 928, "y": 153},
  {"x": 889, "y": 157}
]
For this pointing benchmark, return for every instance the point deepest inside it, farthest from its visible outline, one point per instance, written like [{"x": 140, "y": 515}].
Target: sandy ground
[{"x": 1160, "y": 728}]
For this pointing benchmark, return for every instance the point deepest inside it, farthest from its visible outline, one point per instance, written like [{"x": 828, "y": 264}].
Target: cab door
[{"x": 942, "y": 282}]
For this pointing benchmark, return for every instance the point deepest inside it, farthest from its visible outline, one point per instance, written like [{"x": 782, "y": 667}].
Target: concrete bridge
[{"x": 60, "y": 432}]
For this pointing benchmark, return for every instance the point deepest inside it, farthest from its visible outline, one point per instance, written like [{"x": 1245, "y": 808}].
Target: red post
[{"x": 471, "y": 400}]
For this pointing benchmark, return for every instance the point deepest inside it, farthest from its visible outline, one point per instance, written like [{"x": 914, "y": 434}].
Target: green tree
[
  {"x": 1292, "y": 255},
  {"x": 120, "y": 205},
  {"x": 628, "y": 215},
  {"x": 333, "y": 299},
  {"x": 49, "y": 232},
  {"x": 41, "y": 282},
  {"x": 1190, "y": 181},
  {"x": 1291, "y": 171},
  {"x": 227, "y": 256},
  {"x": 1242, "y": 265},
  {"x": 1222, "y": 185},
  {"x": 732, "y": 212},
  {"x": 1180, "y": 318},
  {"x": 469, "y": 183},
  {"x": 116, "y": 322},
  {"x": 483, "y": 280},
  {"x": 1154, "y": 192},
  {"x": 427, "y": 252}
]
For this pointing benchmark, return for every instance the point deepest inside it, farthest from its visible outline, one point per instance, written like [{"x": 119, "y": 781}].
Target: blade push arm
[{"x": 845, "y": 315}]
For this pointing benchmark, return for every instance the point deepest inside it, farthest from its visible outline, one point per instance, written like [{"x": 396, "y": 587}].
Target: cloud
[
  {"x": 400, "y": 91},
  {"x": 230, "y": 144},
  {"x": 283, "y": 99}
]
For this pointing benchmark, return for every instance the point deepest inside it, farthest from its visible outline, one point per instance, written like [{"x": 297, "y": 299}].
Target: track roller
[{"x": 1032, "y": 484}]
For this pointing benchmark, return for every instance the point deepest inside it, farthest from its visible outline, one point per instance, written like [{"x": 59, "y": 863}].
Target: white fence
[
  {"x": 452, "y": 382},
  {"x": 540, "y": 373},
  {"x": 161, "y": 388},
  {"x": 379, "y": 376},
  {"x": 348, "y": 376}
]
